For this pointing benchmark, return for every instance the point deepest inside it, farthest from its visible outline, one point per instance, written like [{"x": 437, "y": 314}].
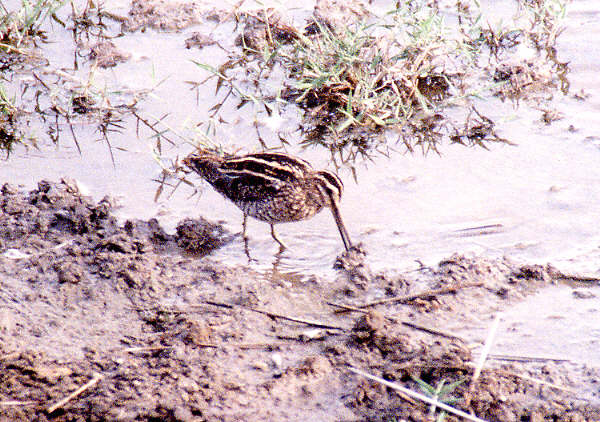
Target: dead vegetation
[
  {"x": 363, "y": 84},
  {"x": 53, "y": 97},
  {"x": 393, "y": 75}
]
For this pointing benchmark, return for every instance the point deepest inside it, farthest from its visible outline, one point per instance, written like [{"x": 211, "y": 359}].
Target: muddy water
[
  {"x": 572, "y": 321},
  {"x": 537, "y": 201}
]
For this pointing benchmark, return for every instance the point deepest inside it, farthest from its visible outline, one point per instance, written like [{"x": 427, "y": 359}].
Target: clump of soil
[
  {"x": 164, "y": 15},
  {"x": 354, "y": 268},
  {"x": 153, "y": 333},
  {"x": 200, "y": 236},
  {"x": 106, "y": 54}
]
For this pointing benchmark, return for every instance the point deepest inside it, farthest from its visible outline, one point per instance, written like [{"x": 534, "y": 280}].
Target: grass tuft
[
  {"x": 24, "y": 25},
  {"x": 407, "y": 74}
]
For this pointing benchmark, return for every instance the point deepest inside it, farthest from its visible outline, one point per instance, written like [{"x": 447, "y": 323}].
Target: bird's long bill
[{"x": 338, "y": 220}]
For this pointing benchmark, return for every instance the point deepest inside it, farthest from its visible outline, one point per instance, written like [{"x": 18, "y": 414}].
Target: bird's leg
[
  {"x": 274, "y": 235},
  {"x": 245, "y": 239},
  {"x": 244, "y": 228},
  {"x": 247, "y": 251}
]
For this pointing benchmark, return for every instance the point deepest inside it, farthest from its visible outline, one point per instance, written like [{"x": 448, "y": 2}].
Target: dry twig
[
  {"x": 97, "y": 377},
  {"x": 414, "y": 325},
  {"x": 575, "y": 277},
  {"x": 537, "y": 381},
  {"x": 484, "y": 353},
  {"x": 434, "y": 331},
  {"x": 522, "y": 358},
  {"x": 418, "y": 396},
  {"x": 422, "y": 295},
  {"x": 16, "y": 403},
  {"x": 280, "y": 316},
  {"x": 145, "y": 349}
]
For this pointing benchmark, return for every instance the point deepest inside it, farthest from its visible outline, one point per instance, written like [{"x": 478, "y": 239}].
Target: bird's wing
[{"x": 246, "y": 186}]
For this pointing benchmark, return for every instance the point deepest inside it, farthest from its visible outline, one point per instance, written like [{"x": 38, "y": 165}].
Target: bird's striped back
[{"x": 270, "y": 165}]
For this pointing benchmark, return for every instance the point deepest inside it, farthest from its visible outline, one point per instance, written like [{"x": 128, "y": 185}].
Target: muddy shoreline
[
  {"x": 174, "y": 336},
  {"x": 103, "y": 318}
]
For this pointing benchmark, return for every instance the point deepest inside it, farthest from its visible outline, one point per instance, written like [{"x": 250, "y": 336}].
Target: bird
[{"x": 271, "y": 187}]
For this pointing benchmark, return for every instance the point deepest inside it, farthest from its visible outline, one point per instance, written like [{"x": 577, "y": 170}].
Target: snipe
[{"x": 271, "y": 187}]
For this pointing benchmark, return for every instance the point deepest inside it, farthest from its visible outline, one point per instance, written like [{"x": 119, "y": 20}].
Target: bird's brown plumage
[{"x": 271, "y": 187}]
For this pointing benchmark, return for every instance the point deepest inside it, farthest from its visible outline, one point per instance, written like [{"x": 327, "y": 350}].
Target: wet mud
[{"x": 109, "y": 320}]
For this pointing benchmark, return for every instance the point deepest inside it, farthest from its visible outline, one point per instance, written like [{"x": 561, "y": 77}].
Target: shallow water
[
  {"x": 544, "y": 192},
  {"x": 540, "y": 197},
  {"x": 562, "y": 326}
]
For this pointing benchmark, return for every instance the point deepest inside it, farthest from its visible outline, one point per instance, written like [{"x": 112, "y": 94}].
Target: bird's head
[
  {"x": 330, "y": 187},
  {"x": 202, "y": 162}
]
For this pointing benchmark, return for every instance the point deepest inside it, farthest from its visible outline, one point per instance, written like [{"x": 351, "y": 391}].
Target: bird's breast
[{"x": 289, "y": 203}]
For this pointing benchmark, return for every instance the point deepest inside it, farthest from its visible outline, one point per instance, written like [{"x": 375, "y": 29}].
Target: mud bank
[{"x": 164, "y": 334}]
